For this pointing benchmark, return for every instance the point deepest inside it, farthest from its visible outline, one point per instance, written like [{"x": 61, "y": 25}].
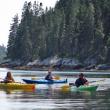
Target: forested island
[{"x": 74, "y": 33}]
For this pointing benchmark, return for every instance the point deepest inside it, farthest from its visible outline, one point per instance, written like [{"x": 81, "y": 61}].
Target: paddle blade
[
  {"x": 56, "y": 77},
  {"x": 71, "y": 84},
  {"x": 33, "y": 78},
  {"x": 65, "y": 88}
]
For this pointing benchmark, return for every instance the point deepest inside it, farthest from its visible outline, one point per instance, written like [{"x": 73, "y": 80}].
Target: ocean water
[{"x": 51, "y": 97}]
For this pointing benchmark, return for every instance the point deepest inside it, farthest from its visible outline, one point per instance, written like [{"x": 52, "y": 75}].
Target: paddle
[
  {"x": 54, "y": 78},
  {"x": 72, "y": 84},
  {"x": 34, "y": 78},
  {"x": 97, "y": 81}
]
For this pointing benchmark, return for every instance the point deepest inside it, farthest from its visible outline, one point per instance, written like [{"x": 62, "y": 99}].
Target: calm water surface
[{"x": 50, "y": 97}]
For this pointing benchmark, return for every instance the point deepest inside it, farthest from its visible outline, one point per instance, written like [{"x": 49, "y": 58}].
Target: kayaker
[
  {"x": 49, "y": 75},
  {"x": 81, "y": 80},
  {"x": 9, "y": 78}
]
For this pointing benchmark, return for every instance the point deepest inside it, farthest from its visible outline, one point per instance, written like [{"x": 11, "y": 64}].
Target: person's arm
[
  {"x": 77, "y": 83},
  {"x": 86, "y": 81},
  {"x": 50, "y": 77},
  {"x": 46, "y": 77},
  {"x": 13, "y": 80},
  {"x": 9, "y": 80}
]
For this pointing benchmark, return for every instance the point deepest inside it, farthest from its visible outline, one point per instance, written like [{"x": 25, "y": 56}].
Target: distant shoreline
[{"x": 45, "y": 68}]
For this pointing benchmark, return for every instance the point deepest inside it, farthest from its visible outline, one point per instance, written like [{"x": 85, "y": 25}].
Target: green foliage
[
  {"x": 11, "y": 47},
  {"x": 2, "y": 53},
  {"x": 73, "y": 28}
]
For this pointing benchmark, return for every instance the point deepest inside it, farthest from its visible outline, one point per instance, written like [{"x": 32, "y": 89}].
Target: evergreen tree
[
  {"x": 2, "y": 53},
  {"x": 11, "y": 50},
  {"x": 73, "y": 29}
]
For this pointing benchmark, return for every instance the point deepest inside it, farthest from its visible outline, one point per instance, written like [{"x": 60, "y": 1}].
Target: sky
[{"x": 8, "y": 9}]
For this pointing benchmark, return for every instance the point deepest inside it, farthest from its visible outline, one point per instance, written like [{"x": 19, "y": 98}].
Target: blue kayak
[{"x": 43, "y": 81}]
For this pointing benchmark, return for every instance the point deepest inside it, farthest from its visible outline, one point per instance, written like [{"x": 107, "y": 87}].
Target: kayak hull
[
  {"x": 84, "y": 88},
  {"x": 81, "y": 88},
  {"x": 17, "y": 86},
  {"x": 43, "y": 81}
]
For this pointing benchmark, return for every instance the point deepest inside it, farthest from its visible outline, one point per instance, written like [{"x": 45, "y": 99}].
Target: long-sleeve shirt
[
  {"x": 49, "y": 77},
  {"x": 80, "y": 81}
]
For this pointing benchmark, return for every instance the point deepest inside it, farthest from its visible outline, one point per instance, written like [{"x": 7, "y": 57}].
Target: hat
[
  {"x": 49, "y": 71},
  {"x": 81, "y": 74}
]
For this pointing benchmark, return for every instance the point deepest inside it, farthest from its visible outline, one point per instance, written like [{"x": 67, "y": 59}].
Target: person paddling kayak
[
  {"x": 49, "y": 75},
  {"x": 81, "y": 80},
  {"x": 9, "y": 78}
]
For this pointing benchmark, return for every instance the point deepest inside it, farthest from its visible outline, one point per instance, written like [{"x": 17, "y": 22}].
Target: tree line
[
  {"x": 72, "y": 29},
  {"x": 2, "y": 53}
]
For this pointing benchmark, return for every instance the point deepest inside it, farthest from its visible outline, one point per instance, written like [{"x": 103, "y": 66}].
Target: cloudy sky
[{"x": 8, "y": 9}]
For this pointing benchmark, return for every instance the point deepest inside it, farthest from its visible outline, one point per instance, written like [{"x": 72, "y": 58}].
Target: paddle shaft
[
  {"x": 97, "y": 81},
  {"x": 72, "y": 84}
]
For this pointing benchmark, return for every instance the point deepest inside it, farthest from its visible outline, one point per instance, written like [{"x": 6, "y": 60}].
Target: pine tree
[
  {"x": 11, "y": 50},
  {"x": 72, "y": 29}
]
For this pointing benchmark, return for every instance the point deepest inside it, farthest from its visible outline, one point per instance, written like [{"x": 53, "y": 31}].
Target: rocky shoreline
[{"x": 56, "y": 64}]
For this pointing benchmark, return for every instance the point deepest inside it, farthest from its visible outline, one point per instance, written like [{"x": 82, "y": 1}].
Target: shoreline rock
[{"x": 55, "y": 63}]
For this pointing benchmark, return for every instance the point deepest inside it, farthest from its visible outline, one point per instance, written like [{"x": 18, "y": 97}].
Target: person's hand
[{"x": 87, "y": 83}]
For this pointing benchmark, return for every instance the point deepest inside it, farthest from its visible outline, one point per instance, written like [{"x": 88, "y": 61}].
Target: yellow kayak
[{"x": 17, "y": 86}]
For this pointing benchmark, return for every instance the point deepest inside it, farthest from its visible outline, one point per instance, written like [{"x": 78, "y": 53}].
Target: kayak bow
[{"x": 17, "y": 86}]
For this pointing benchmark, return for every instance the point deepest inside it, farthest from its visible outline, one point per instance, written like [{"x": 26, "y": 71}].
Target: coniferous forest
[
  {"x": 2, "y": 53},
  {"x": 72, "y": 29}
]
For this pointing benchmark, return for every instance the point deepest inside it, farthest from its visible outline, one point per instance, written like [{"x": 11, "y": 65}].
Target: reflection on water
[
  {"x": 55, "y": 100},
  {"x": 50, "y": 97}
]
